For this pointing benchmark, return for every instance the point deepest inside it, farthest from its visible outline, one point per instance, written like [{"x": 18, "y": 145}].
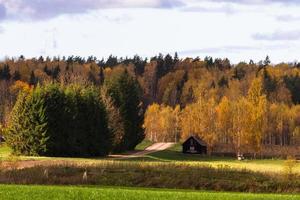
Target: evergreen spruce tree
[
  {"x": 16, "y": 75},
  {"x": 38, "y": 124},
  {"x": 5, "y": 73},
  {"x": 60, "y": 121},
  {"x": 176, "y": 58},
  {"x": 269, "y": 83},
  {"x": 114, "y": 118},
  {"x": 101, "y": 76},
  {"x": 27, "y": 133},
  {"x": 17, "y": 130},
  {"x": 267, "y": 61},
  {"x": 47, "y": 71},
  {"x": 32, "y": 79},
  {"x": 125, "y": 92},
  {"x": 55, "y": 72}
]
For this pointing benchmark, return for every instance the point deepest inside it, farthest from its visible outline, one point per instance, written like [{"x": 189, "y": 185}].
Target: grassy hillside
[{"x": 62, "y": 193}]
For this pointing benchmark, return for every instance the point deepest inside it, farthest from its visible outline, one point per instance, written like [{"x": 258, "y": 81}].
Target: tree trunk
[{"x": 209, "y": 150}]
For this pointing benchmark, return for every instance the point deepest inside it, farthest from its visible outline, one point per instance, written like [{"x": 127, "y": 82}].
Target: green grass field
[
  {"x": 164, "y": 169},
  {"x": 143, "y": 145},
  {"x": 8, "y": 192},
  {"x": 174, "y": 155},
  {"x": 4, "y": 151}
]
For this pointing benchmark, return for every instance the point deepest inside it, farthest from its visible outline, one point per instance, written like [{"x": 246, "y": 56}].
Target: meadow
[
  {"x": 4, "y": 151},
  {"x": 8, "y": 192},
  {"x": 172, "y": 155},
  {"x": 165, "y": 169}
]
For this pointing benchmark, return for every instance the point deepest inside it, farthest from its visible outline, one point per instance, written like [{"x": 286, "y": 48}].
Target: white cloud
[
  {"x": 2, "y": 12},
  {"x": 278, "y": 35},
  {"x": 147, "y": 27},
  {"x": 262, "y": 2},
  {"x": 287, "y": 18},
  {"x": 227, "y": 9},
  {"x": 45, "y": 9}
]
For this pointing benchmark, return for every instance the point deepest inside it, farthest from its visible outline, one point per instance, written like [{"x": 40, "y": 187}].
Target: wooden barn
[{"x": 194, "y": 145}]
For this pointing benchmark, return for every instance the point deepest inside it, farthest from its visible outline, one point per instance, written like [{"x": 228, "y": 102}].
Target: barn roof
[{"x": 200, "y": 141}]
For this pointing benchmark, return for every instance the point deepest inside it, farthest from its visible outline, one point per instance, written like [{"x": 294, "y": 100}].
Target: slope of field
[{"x": 8, "y": 192}]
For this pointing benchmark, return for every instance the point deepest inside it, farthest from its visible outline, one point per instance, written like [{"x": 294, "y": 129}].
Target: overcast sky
[{"x": 238, "y": 29}]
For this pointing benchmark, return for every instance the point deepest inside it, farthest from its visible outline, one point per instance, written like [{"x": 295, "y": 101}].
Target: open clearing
[{"x": 8, "y": 192}]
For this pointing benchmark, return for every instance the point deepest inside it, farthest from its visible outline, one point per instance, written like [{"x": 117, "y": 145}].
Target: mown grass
[{"x": 16, "y": 192}]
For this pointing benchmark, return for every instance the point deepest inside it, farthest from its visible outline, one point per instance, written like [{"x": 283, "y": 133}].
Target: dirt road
[
  {"x": 155, "y": 147},
  {"x": 151, "y": 149}
]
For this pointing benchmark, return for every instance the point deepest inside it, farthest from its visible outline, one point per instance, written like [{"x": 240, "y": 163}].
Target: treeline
[
  {"x": 246, "y": 123},
  {"x": 178, "y": 87},
  {"x": 76, "y": 120},
  {"x": 59, "y": 121}
]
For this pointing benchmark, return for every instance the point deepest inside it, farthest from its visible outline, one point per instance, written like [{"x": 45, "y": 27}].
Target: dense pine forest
[{"x": 74, "y": 106}]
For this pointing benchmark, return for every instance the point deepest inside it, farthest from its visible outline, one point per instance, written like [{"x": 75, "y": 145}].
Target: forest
[{"x": 74, "y": 106}]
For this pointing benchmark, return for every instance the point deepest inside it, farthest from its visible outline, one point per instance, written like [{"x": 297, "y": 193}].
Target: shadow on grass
[{"x": 169, "y": 155}]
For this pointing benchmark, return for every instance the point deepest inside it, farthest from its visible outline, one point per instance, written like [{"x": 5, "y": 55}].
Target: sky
[{"x": 236, "y": 29}]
